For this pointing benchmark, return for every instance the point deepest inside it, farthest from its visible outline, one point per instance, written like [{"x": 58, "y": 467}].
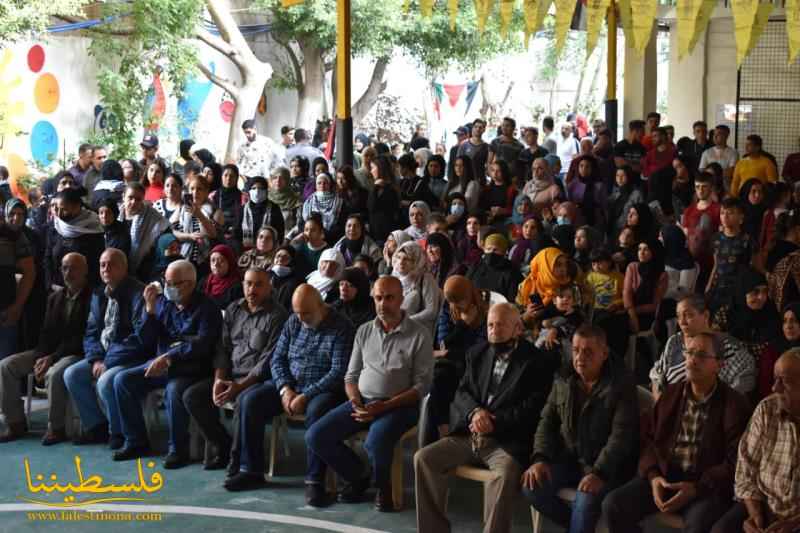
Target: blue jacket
[
  {"x": 126, "y": 347},
  {"x": 188, "y": 336}
]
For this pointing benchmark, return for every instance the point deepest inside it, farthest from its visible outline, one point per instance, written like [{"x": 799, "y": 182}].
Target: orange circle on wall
[
  {"x": 17, "y": 168},
  {"x": 46, "y": 93}
]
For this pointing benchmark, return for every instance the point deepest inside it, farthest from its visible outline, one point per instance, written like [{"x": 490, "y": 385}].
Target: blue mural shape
[
  {"x": 191, "y": 103},
  {"x": 44, "y": 142}
]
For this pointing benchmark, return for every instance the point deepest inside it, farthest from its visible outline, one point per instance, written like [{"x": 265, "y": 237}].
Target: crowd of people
[{"x": 516, "y": 284}]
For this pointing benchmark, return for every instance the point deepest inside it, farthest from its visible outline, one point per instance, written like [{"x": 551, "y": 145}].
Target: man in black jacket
[{"x": 492, "y": 419}]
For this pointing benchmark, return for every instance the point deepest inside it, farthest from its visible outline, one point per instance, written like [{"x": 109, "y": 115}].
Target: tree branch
[
  {"x": 222, "y": 83},
  {"x": 298, "y": 69},
  {"x": 214, "y": 42},
  {"x": 230, "y": 33}
]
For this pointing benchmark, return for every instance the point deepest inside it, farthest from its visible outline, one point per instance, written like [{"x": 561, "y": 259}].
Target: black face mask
[
  {"x": 504, "y": 347},
  {"x": 494, "y": 260}
]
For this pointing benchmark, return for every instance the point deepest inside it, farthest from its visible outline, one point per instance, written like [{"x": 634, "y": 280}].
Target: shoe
[
  {"x": 353, "y": 492},
  {"x": 15, "y": 431},
  {"x": 176, "y": 460},
  {"x": 316, "y": 495},
  {"x": 245, "y": 481},
  {"x": 54, "y": 436},
  {"x": 116, "y": 442},
  {"x": 384, "y": 502},
  {"x": 96, "y": 435},
  {"x": 221, "y": 459},
  {"x": 131, "y": 452}
]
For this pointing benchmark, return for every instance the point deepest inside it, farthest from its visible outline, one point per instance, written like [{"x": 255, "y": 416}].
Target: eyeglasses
[{"x": 698, "y": 354}]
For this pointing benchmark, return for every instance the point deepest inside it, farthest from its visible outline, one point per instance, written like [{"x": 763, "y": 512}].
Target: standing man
[
  {"x": 653, "y": 122},
  {"x": 462, "y": 134},
  {"x": 550, "y": 139},
  {"x": 726, "y": 156},
  {"x": 82, "y": 164},
  {"x": 700, "y": 143},
  {"x": 94, "y": 175},
  {"x": 568, "y": 147},
  {"x": 303, "y": 147},
  {"x": 754, "y": 164},
  {"x": 630, "y": 151},
  {"x": 660, "y": 156},
  {"x": 149, "y": 146},
  {"x": 477, "y": 150},
  {"x": 257, "y": 155},
  {"x": 390, "y": 371},
  {"x": 505, "y": 147},
  {"x": 287, "y": 141}
]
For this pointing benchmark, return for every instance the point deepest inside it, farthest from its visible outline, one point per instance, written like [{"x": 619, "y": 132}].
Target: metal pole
[
  {"x": 344, "y": 122},
  {"x": 611, "y": 72}
]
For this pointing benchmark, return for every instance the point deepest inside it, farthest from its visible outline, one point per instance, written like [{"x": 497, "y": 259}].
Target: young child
[
  {"x": 608, "y": 310},
  {"x": 560, "y": 319},
  {"x": 732, "y": 250},
  {"x": 625, "y": 251}
]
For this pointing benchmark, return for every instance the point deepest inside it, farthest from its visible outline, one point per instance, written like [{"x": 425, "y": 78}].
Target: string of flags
[{"x": 452, "y": 92}]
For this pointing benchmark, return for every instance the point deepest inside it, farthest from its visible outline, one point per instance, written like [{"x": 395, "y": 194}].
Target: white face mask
[
  {"x": 173, "y": 294},
  {"x": 457, "y": 210},
  {"x": 258, "y": 195},
  {"x": 281, "y": 270}
]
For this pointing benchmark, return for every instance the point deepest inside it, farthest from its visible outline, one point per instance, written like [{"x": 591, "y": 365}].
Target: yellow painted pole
[
  {"x": 344, "y": 122},
  {"x": 611, "y": 72}
]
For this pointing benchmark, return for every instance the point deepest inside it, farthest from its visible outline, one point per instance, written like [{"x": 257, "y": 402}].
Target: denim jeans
[
  {"x": 326, "y": 438},
  {"x": 259, "y": 404},
  {"x": 8, "y": 340},
  {"x": 81, "y": 386},
  {"x": 582, "y": 515},
  {"x": 131, "y": 387}
]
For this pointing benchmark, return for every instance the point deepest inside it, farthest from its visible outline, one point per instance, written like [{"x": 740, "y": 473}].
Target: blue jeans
[
  {"x": 8, "y": 340},
  {"x": 582, "y": 515},
  {"x": 259, "y": 404},
  {"x": 131, "y": 387},
  {"x": 326, "y": 438},
  {"x": 80, "y": 384}
]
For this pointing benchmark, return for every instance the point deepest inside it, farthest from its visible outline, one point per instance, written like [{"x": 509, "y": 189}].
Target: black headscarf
[
  {"x": 183, "y": 148},
  {"x": 785, "y": 344},
  {"x": 442, "y": 270},
  {"x": 749, "y": 325},
  {"x": 753, "y": 214},
  {"x": 362, "y": 308},
  {"x": 564, "y": 235},
  {"x": 676, "y": 254},
  {"x": 650, "y": 273},
  {"x": 645, "y": 229}
]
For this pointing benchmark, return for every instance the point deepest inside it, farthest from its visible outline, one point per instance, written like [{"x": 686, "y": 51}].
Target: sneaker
[
  {"x": 245, "y": 481},
  {"x": 353, "y": 492},
  {"x": 316, "y": 495}
]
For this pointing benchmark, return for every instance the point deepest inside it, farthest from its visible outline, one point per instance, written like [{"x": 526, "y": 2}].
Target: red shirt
[
  {"x": 655, "y": 160},
  {"x": 699, "y": 235},
  {"x": 791, "y": 168},
  {"x": 154, "y": 193}
]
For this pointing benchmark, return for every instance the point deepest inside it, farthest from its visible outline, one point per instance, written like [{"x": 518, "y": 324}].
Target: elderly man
[
  {"x": 147, "y": 225},
  {"x": 60, "y": 345},
  {"x": 587, "y": 437},
  {"x": 767, "y": 481},
  {"x": 308, "y": 366},
  {"x": 111, "y": 343},
  {"x": 490, "y": 425},
  {"x": 390, "y": 371},
  {"x": 689, "y": 453},
  {"x": 182, "y": 327}
]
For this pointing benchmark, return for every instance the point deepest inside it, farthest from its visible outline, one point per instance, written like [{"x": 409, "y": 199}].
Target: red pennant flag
[{"x": 453, "y": 92}]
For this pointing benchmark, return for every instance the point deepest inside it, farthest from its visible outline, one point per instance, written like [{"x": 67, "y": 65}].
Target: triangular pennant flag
[
  {"x": 506, "y": 10},
  {"x": 482, "y": 10},
  {"x": 686, "y": 12},
  {"x": 438, "y": 96},
  {"x": 564, "y": 11},
  {"x": 452, "y": 10},
  {"x": 530, "y": 9},
  {"x": 453, "y": 92},
  {"x": 759, "y": 24},
  {"x": 595, "y": 14},
  {"x": 703, "y": 16},
  {"x": 426, "y": 8},
  {"x": 744, "y": 15},
  {"x": 643, "y": 15},
  {"x": 793, "y": 28},
  {"x": 626, "y": 20},
  {"x": 290, "y": 3},
  {"x": 472, "y": 90}
]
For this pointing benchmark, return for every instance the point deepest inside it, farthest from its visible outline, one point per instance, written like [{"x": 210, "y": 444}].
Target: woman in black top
[
  {"x": 383, "y": 203},
  {"x": 117, "y": 233}
]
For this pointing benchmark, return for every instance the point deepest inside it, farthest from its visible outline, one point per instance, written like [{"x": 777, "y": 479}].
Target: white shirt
[
  {"x": 726, "y": 157},
  {"x": 306, "y": 150},
  {"x": 258, "y": 158},
  {"x": 566, "y": 150}
]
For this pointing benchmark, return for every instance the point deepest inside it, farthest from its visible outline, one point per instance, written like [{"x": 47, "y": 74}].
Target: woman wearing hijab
[
  {"x": 356, "y": 241},
  {"x": 263, "y": 253},
  {"x": 117, "y": 233},
  {"x": 329, "y": 271},
  {"x": 468, "y": 250},
  {"x": 783, "y": 271},
  {"x": 413, "y": 187},
  {"x": 285, "y": 277},
  {"x": 230, "y": 200},
  {"x": 640, "y": 220},
  {"x": 329, "y": 206},
  {"x": 300, "y": 181},
  {"x": 395, "y": 240},
  {"x": 259, "y": 211},
  {"x": 564, "y": 237},
  {"x": 753, "y": 319},
  {"x": 418, "y": 215},
  {"x": 585, "y": 188},
  {"x": 625, "y": 195},
  {"x": 223, "y": 284},
  {"x": 441, "y": 257},
  {"x": 682, "y": 184},
  {"x": 542, "y": 188},
  {"x": 456, "y": 215},
  {"x": 549, "y": 271},
  {"x": 111, "y": 184},
  {"x": 753, "y": 197},
  {"x": 422, "y": 297},
  {"x": 530, "y": 242},
  {"x": 434, "y": 174},
  {"x": 522, "y": 210},
  {"x": 790, "y": 325},
  {"x": 464, "y": 183},
  {"x": 354, "y": 300},
  {"x": 168, "y": 249},
  {"x": 645, "y": 284},
  {"x": 282, "y": 195}
]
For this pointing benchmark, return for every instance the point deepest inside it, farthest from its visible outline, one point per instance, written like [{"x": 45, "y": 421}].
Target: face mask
[
  {"x": 504, "y": 347},
  {"x": 562, "y": 221},
  {"x": 173, "y": 294},
  {"x": 420, "y": 172},
  {"x": 281, "y": 271},
  {"x": 494, "y": 260},
  {"x": 457, "y": 210},
  {"x": 258, "y": 195}
]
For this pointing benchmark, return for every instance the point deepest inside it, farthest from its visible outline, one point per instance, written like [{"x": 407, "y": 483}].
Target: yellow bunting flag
[
  {"x": 452, "y": 10},
  {"x": 760, "y": 23},
  {"x": 744, "y": 15},
  {"x": 643, "y": 14},
  {"x": 625, "y": 18},
  {"x": 426, "y": 8},
  {"x": 544, "y": 7},
  {"x": 703, "y": 16},
  {"x": 482, "y": 10},
  {"x": 686, "y": 12},
  {"x": 793, "y": 28},
  {"x": 564, "y": 11},
  {"x": 595, "y": 14},
  {"x": 290, "y": 3},
  {"x": 506, "y": 10},
  {"x": 530, "y": 9}
]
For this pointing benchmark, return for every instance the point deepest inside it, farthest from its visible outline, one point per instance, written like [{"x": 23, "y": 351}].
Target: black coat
[
  {"x": 90, "y": 246},
  {"x": 500, "y": 277},
  {"x": 523, "y": 393},
  {"x": 118, "y": 235},
  {"x": 61, "y": 335}
]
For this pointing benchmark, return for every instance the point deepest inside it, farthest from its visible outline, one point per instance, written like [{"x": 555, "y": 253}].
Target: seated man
[
  {"x": 181, "y": 327},
  {"x": 308, "y": 366},
  {"x": 767, "y": 481},
  {"x": 491, "y": 426},
  {"x": 390, "y": 371},
  {"x": 60, "y": 345},
  {"x": 588, "y": 435},
  {"x": 146, "y": 225},
  {"x": 250, "y": 329},
  {"x": 689, "y": 454},
  {"x": 111, "y": 344}
]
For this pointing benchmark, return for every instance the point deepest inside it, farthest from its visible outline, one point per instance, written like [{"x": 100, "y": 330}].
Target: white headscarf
[
  {"x": 419, "y": 265},
  {"x": 321, "y": 282},
  {"x": 413, "y": 231}
]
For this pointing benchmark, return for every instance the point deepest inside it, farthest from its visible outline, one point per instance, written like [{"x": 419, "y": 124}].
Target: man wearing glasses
[{"x": 689, "y": 453}]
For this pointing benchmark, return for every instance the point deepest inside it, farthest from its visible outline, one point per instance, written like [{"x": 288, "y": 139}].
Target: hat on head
[
  {"x": 149, "y": 141},
  {"x": 461, "y": 130}
]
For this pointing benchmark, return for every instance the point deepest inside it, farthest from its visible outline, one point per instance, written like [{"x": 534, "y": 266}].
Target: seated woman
[
  {"x": 264, "y": 252},
  {"x": 753, "y": 319},
  {"x": 681, "y": 269},
  {"x": 117, "y": 233},
  {"x": 468, "y": 249},
  {"x": 625, "y": 195},
  {"x": 781, "y": 197},
  {"x": 549, "y": 270},
  {"x": 173, "y": 199},
  {"x": 354, "y": 300},
  {"x": 395, "y": 240},
  {"x": 299, "y": 179},
  {"x": 645, "y": 284},
  {"x": 284, "y": 275},
  {"x": 230, "y": 200},
  {"x": 329, "y": 206},
  {"x": 168, "y": 249},
  {"x": 422, "y": 297},
  {"x": 522, "y": 211},
  {"x": 326, "y": 278},
  {"x": 441, "y": 258},
  {"x": 281, "y": 194},
  {"x": 414, "y": 188},
  {"x": 353, "y": 195},
  {"x": 790, "y": 327},
  {"x": 418, "y": 215},
  {"x": 356, "y": 241},
  {"x": 224, "y": 284},
  {"x": 531, "y": 241},
  {"x": 195, "y": 225},
  {"x": 456, "y": 215},
  {"x": 739, "y": 370},
  {"x": 258, "y": 211},
  {"x": 461, "y": 324},
  {"x": 497, "y": 198},
  {"x": 310, "y": 244},
  {"x": 494, "y": 272},
  {"x": 463, "y": 182},
  {"x": 542, "y": 189},
  {"x": 641, "y": 221},
  {"x": 367, "y": 266},
  {"x": 754, "y": 199},
  {"x": 587, "y": 239}
]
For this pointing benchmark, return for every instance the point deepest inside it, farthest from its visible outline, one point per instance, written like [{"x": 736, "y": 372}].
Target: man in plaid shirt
[{"x": 308, "y": 367}]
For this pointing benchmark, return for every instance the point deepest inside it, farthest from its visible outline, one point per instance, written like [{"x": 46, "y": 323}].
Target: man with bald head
[
  {"x": 492, "y": 417},
  {"x": 305, "y": 376},
  {"x": 60, "y": 345},
  {"x": 390, "y": 371},
  {"x": 111, "y": 343}
]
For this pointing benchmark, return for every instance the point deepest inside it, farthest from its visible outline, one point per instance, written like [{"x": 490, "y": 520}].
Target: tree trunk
[
  {"x": 376, "y": 86},
  {"x": 580, "y": 85},
  {"x": 596, "y": 75},
  {"x": 309, "y": 107},
  {"x": 246, "y": 107}
]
